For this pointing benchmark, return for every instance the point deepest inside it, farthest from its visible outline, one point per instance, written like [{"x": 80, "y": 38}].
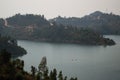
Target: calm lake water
[{"x": 83, "y": 62}]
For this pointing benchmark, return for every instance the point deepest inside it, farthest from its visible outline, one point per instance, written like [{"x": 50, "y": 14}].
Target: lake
[{"x": 83, "y": 62}]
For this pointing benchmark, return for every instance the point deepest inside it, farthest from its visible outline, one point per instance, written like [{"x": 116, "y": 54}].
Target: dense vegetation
[
  {"x": 101, "y": 22},
  {"x": 1, "y": 24},
  {"x": 66, "y": 34},
  {"x": 28, "y": 19},
  {"x": 11, "y": 46},
  {"x": 14, "y": 70},
  {"x": 37, "y": 28}
]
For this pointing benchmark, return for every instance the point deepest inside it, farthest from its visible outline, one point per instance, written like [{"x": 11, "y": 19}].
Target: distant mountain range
[
  {"x": 83, "y": 30},
  {"x": 101, "y": 22}
]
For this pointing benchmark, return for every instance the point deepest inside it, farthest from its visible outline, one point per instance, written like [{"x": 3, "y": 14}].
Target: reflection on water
[{"x": 84, "y": 62}]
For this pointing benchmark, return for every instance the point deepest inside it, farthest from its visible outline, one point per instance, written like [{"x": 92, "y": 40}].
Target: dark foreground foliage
[
  {"x": 14, "y": 70},
  {"x": 11, "y": 46}
]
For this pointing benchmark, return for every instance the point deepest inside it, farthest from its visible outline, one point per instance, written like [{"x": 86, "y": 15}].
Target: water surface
[{"x": 84, "y": 62}]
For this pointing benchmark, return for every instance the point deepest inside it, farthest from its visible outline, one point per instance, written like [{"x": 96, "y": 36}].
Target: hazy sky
[{"x": 53, "y": 8}]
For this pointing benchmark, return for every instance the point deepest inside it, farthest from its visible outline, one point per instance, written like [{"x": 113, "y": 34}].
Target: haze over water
[{"x": 84, "y": 62}]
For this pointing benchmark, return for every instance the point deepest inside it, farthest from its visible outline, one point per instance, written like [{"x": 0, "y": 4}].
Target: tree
[
  {"x": 38, "y": 76},
  {"x": 60, "y": 76},
  {"x": 54, "y": 74},
  {"x": 2, "y": 23},
  {"x": 33, "y": 70},
  {"x": 51, "y": 75},
  {"x": 65, "y": 78},
  {"x": 4, "y": 56},
  {"x": 22, "y": 64},
  {"x": 19, "y": 76},
  {"x": 73, "y": 78},
  {"x": 46, "y": 77}
]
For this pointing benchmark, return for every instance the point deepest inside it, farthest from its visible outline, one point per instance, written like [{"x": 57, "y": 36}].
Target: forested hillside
[
  {"x": 37, "y": 28},
  {"x": 28, "y": 19},
  {"x": 103, "y": 23}
]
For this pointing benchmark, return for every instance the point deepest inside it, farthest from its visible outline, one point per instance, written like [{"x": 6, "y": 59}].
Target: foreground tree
[
  {"x": 5, "y": 57},
  {"x": 14, "y": 70}
]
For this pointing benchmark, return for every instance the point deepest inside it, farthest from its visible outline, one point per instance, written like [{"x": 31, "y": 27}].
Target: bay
[{"x": 81, "y": 61}]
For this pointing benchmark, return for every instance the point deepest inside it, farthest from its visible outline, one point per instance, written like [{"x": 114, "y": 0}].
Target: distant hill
[
  {"x": 37, "y": 28},
  {"x": 2, "y": 24},
  {"x": 26, "y": 20},
  {"x": 101, "y": 22},
  {"x": 22, "y": 26}
]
